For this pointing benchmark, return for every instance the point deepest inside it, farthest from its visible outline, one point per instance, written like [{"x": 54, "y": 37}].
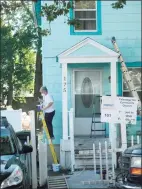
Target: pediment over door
[{"x": 88, "y": 48}]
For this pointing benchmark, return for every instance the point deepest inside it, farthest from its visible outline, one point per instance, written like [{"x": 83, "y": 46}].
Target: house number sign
[{"x": 64, "y": 85}]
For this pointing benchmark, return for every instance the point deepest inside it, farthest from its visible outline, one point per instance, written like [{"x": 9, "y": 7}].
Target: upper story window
[
  {"x": 85, "y": 12},
  {"x": 88, "y": 14},
  {"x": 135, "y": 74}
]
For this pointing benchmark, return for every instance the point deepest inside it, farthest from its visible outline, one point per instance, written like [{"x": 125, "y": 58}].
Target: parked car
[
  {"x": 131, "y": 168},
  {"x": 14, "y": 172},
  {"x": 23, "y": 135}
]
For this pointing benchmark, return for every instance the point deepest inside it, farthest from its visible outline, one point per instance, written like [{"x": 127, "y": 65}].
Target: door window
[{"x": 87, "y": 92}]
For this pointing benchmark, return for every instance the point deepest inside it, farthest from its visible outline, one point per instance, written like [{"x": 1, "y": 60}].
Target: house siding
[
  {"x": 127, "y": 33},
  {"x": 124, "y": 24}
]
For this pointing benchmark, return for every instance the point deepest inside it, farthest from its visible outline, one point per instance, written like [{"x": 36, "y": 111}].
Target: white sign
[
  {"x": 119, "y": 109},
  {"x": 129, "y": 106}
]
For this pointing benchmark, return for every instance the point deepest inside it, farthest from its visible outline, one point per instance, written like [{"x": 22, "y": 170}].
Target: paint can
[
  {"x": 38, "y": 108},
  {"x": 56, "y": 167}
]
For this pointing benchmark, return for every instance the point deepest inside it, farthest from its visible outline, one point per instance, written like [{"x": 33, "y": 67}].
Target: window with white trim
[
  {"x": 135, "y": 74},
  {"x": 85, "y": 12}
]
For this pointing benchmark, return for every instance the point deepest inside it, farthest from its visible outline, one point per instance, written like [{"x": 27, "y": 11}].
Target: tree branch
[{"x": 28, "y": 10}]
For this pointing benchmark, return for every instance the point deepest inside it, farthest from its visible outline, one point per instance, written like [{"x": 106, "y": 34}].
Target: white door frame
[
  {"x": 73, "y": 84},
  {"x": 65, "y": 58}
]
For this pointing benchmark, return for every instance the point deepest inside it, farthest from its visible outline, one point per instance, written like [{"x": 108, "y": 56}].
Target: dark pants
[{"x": 48, "y": 120}]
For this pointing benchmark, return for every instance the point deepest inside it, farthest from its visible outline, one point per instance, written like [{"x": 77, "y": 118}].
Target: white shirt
[{"x": 46, "y": 100}]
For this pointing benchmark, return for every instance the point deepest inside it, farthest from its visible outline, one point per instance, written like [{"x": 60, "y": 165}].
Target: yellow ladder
[
  {"x": 126, "y": 75},
  {"x": 48, "y": 137}
]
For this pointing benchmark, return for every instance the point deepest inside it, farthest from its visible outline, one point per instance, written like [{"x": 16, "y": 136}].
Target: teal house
[{"x": 80, "y": 65}]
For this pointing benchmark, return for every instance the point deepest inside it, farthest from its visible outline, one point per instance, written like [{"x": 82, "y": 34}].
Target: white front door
[{"x": 87, "y": 85}]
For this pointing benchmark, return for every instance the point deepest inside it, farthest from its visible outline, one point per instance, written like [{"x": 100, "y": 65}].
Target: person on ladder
[{"x": 48, "y": 109}]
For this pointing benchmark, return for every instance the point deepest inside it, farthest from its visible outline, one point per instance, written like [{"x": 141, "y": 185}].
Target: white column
[
  {"x": 114, "y": 93},
  {"x": 72, "y": 139},
  {"x": 123, "y": 136},
  {"x": 112, "y": 127},
  {"x": 113, "y": 78},
  {"x": 64, "y": 102},
  {"x": 43, "y": 171},
  {"x": 33, "y": 143}
]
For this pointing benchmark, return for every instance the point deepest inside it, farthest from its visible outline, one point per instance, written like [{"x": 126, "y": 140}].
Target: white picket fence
[
  {"x": 71, "y": 135},
  {"x": 38, "y": 174},
  {"x": 104, "y": 173},
  {"x": 43, "y": 171},
  {"x": 104, "y": 167},
  {"x": 29, "y": 162},
  {"x": 137, "y": 141},
  {"x": 104, "y": 170},
  {"x": 104, "y": 155}
]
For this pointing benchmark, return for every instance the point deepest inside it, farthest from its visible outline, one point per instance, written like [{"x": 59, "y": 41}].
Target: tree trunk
[
  {"x": 38, "y": 67},
  {"x": 10, "y": 90},
  {"x": 10, "y": 83},
  {"x": 38, "y": 75}
]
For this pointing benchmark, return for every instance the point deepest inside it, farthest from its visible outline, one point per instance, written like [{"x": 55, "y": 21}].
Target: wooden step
[
  {"x": 58, "y": 182},
  {"x": 90, "y": 157},
  {"x": 90, "y": 164},
  {"x": 90, "y": 152}
]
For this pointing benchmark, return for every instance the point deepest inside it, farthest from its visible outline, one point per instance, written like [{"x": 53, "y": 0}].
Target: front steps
[{"x": 84, "y": 153}]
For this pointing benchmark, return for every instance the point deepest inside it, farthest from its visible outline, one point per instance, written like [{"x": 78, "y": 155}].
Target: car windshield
[{"x": 7, "y": 146}]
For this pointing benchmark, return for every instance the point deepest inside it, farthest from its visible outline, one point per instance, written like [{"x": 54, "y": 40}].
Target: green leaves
[
  {"x": 18, "y": 42},
  {"x": 62, "y": 8},
  {"x": 119, "y": 4},
  {"x": 58, "y": 8}
]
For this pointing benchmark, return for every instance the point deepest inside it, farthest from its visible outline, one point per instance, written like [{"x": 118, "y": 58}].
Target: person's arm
[{"x": 46, "y": 107}]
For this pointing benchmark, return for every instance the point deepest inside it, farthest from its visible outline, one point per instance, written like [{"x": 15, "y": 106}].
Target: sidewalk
[
  {"x": 83, "y": 179},
  {"x": 86, "y": 180}
]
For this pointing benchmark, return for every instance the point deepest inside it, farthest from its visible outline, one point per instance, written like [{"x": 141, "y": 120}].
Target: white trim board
[{"x": 86, "y": 59}]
